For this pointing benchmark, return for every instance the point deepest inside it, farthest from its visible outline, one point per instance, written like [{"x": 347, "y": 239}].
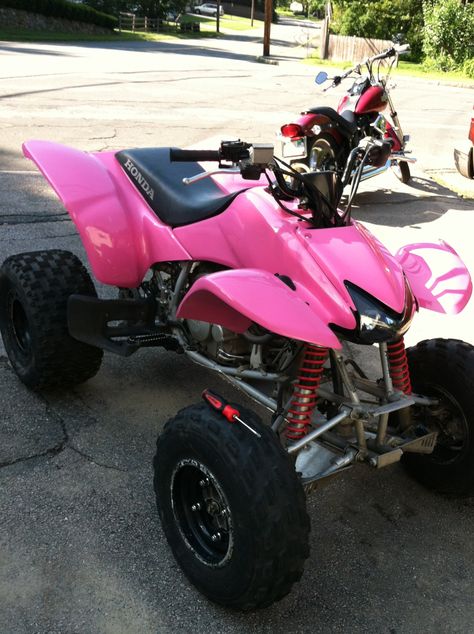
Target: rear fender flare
[
  {"x": 237, "y": 298},
  {"x": 119, "y": 232},
  {"x": 308, "y": 121},
  {"x": 89, "y": 194},
  {"x": 438, "y": 277}
]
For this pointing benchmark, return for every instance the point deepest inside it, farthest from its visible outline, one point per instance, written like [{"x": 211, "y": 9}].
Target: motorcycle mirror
[
  {"x": 398, "y": 38},
  {"x": 321, "y": 77}
]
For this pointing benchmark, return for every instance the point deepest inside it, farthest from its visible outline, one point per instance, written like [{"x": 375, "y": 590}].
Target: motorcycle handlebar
[
  {"x": 177, "y": 155},
  {"x": 389, "y": 52}
]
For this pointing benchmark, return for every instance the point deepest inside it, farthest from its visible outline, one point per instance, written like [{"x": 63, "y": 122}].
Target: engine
[{"x": 220, "y": 344}]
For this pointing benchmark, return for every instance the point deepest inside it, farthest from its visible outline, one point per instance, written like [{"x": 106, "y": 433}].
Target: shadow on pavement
[
  {"x": 421, "y": 201},
  {"x": 8, "y": 48}
]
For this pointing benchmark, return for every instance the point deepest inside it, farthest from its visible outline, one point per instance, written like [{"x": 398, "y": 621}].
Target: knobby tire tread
[
  {"x": 45, "y": 280},
  {"x": 447, "y": 363},
  {"x": 275, "y": 498}
]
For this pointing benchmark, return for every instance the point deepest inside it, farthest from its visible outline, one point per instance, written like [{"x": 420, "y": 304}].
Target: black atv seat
[
  {"x": 160, "y": 182},
  {"x": 346, "y": 121}
]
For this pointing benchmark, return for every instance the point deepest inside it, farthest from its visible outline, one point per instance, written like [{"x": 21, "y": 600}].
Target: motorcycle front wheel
[{"x": 401, "y": 170}]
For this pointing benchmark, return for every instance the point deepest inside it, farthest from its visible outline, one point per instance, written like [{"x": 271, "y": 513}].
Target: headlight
[{"x": 375, "y": 321}]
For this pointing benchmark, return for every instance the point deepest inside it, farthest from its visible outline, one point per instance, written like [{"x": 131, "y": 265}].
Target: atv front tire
[
  {"x": 231, "y": 506},
  {"x": 34, "y": 291},
  {"x": 444, "y": 368}
]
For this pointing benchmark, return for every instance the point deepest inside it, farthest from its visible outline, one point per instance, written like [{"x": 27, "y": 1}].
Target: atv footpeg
[
  {"x": 168, "y": 342},
  {"x": 424, "y": 444},
  {"x": 121, "y": 326}
]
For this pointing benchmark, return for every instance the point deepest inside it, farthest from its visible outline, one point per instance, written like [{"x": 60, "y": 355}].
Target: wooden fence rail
[
  {"x": 131, "y": 22},
  {"x": 346, "y": 48}
]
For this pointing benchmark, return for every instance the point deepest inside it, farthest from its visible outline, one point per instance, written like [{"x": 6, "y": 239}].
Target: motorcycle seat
[
  {"x": 160, "y": 182},
  {"x": 346, "y": 125}
]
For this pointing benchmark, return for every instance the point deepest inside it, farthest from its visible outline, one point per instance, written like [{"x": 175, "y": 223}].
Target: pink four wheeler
[{"x": 274, "y": 287}]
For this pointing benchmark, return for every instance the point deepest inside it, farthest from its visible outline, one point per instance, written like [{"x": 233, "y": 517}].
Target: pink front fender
[
  {"x": 438, "y": 277},
  {"x": 236, "y": 298}
]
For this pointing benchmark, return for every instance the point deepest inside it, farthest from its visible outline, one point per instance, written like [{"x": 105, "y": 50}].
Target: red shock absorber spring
[
  {"x": 398, "y": 364},
  {"x": 305, "y": 392}
]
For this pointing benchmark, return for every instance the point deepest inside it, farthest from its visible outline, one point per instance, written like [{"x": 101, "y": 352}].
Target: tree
[
  {"x": 380, "y": 19},
  {"x": 448, "y": 33}
]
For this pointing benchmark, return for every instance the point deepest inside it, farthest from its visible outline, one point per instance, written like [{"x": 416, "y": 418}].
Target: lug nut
[{"x": 216, "y": 537}]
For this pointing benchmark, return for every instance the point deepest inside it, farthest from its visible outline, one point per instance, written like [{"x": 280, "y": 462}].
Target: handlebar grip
[
  {"x": 193, "y": 155},
  {"x": 404, "y": 48}
]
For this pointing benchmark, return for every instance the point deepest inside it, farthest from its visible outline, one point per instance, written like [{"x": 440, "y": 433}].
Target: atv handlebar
[
  {"x": 229, "y": 151},
  {"x": 177, "y": 155},
  {"x": 250, "y": 159}
]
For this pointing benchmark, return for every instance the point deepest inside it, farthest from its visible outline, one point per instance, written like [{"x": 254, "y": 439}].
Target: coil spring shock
[
  {"x": 305, "y": 392},
  {"x": 398, "y": 364}
]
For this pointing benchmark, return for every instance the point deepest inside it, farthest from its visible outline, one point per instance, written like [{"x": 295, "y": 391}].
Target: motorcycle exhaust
[
  {"x": 369, "y": 171},
  {"x": 401, "y": 156}
]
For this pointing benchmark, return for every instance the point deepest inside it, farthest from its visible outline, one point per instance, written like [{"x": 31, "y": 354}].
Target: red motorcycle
[{"x": 322, "y": 139}]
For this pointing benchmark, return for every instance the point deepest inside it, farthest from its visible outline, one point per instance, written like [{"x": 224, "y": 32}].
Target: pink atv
[{"x": 274, "y": 287}]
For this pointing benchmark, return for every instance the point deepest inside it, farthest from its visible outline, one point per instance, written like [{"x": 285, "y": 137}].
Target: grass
[
  {"x": 228, "y": 22},
  {"x": 409, "y": 69},
  {"x": 208, "y": 29},
  {"x": 286, "y": 13},
  {"x": 15, "y": 35}
]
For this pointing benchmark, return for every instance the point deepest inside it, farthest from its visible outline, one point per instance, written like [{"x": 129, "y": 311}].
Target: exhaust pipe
[{"x": 369, "y": 171}]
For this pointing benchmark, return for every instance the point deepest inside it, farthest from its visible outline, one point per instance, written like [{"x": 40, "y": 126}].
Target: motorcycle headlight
[{"x": 376, "y": 322}]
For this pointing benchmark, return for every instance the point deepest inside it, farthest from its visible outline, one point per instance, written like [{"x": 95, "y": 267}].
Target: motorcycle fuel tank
[{"x": 374, "y": 99}]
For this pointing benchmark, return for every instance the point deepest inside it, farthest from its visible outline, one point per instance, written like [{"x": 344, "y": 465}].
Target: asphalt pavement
[{"x": 81, "y": 548}]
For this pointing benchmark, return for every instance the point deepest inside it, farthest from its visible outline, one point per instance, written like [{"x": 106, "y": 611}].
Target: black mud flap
[{"x": 116, "y": 325}]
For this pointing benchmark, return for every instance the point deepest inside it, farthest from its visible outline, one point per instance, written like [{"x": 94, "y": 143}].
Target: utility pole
[
  {"x": 218, "y": 16},
  {"x": 266, "y": 27}
]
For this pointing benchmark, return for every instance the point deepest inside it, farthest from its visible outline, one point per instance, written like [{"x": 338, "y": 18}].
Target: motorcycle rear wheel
[
  {"x": 401, "y": 170},
  {"x": 231, "y": 506},
  {"x": 444, "y": 368},
  {"x": 323, "y": 153}
]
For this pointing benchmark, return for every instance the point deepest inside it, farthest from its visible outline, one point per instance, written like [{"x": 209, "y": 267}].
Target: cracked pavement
[{"x": 81, "y": 549}]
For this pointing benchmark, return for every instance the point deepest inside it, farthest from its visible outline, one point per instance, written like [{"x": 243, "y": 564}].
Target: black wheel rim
[
  {"x": 19, "y": 325},
  {"x": 448, "y": 419},
  {"x": 322, "y": 156},
  {"x": 202, "y": 513}
]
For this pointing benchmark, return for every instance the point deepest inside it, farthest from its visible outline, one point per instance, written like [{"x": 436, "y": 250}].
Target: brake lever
[{"x": 190, "y": 180}]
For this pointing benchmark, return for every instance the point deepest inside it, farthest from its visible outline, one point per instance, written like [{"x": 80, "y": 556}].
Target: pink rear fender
[
  {"x": 236, "y": 298},
  {"x": 438, "y": 277},
  {"x": 121, "y": 235}
]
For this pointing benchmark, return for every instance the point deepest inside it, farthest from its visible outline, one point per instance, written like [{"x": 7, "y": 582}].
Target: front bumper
[{"x": 464, "y": 162}]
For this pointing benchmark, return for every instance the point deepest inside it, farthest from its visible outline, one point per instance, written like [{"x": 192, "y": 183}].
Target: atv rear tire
[
  {"x": 444, "y": 368},
  {"x": 231, "y": 506},
  {"x": 34, "y": 291}
]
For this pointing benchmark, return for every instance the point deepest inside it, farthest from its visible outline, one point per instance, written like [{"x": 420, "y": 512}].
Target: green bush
[
  {"x": 381, "y": 19},
  {"x": 449, "y": 33},
  {"x": 468, "y": 68},
  {"x": 63, "y": 9}
]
